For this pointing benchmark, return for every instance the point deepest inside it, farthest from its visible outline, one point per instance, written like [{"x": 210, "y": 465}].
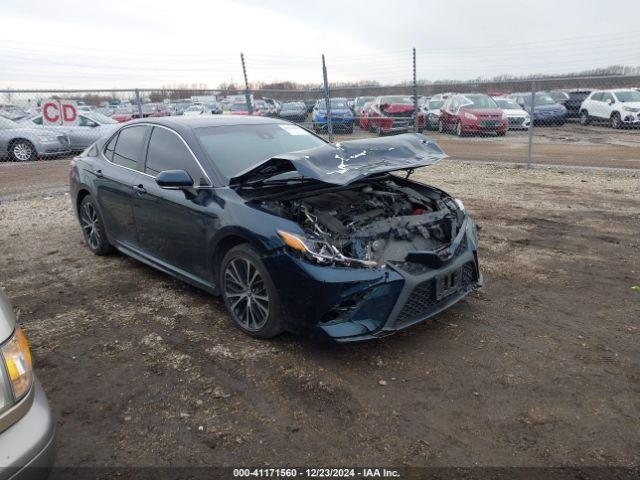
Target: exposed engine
[{"x": 374, "y": 222}]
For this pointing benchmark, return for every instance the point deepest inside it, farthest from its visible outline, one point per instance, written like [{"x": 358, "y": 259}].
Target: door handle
[{"x": 140, "y": 190}]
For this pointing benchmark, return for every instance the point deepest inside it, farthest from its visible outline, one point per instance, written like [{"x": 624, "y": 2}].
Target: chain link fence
[{"x": 541, "y": 120}]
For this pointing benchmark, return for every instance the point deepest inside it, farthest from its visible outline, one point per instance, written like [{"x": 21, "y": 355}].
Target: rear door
[
  {"x": 173, "y": 225},
  {"x": 114, "y": 181},
  {"x": 595, "y": 105}
]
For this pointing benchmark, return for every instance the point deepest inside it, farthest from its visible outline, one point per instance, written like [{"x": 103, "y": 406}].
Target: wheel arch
[
  {"x": 13, "y": 141},
  {"x": 224, "y": 241}
]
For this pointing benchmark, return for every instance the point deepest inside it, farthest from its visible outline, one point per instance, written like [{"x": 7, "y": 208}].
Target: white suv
[{"x": 618, "y": 107}]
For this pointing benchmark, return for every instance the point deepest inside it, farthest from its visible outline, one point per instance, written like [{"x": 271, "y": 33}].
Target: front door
[{"x": 173, "y": 225}]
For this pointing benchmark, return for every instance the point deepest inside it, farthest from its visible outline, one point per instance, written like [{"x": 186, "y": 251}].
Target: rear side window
[
  {"x": 168, "y": 152},
  {"x": 128, "y": 146},
  {"x": 597, "y": 96}
]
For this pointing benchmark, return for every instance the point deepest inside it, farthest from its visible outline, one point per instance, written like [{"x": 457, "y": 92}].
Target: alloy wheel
[
  {"x": 246, "y": 293},
  {"x": 90, "y": 225},
  {"x": 22, "y": 151}
]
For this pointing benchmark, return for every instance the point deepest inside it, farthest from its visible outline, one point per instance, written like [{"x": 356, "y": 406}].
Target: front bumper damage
[{"x": 356, "y": 304}]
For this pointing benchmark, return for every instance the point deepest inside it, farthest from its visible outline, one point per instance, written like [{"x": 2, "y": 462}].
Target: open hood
[{"x": 346, "y": 162}]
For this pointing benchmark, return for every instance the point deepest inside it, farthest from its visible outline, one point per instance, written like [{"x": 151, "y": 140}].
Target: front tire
[
  {"x": 615, "y": 121},
  {"x": 249, "y": 293},
  {"x": 95, "y": 236},
  {"x": 22, "y": 151}
]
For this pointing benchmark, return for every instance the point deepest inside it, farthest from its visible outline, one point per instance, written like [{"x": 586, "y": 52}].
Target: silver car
[
  {"x": 27, "y": 424},
  {"x": 92, "y": 126},
  {"x": 20, "y": 142}
]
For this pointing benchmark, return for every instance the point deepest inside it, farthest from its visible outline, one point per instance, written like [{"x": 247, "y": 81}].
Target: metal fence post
[
  {"x": 139, "y": 103},
  {"x": 533, "y": 102},
  {"x": 415, "y": 94},
  {"x": 247, "y": 94},
  {"x": 327, "y": 100}
]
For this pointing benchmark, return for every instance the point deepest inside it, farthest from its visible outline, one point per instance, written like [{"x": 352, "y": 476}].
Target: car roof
[{"x": 191, "y": 122}]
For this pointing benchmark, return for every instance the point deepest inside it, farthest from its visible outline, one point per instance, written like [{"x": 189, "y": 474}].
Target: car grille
[
  {"x": 516, "y": 121},
  {"x": 423, "y": 298}
]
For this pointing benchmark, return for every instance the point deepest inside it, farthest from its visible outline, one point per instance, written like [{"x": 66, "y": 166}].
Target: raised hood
[{"x": 346, "y": 162}]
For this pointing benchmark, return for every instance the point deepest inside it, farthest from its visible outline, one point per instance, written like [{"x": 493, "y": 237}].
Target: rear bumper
[{"x": 27, "y": 448}]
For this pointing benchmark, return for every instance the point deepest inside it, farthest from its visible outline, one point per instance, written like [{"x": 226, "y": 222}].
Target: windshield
[
  {"x": 293, "y": 106},
  {"x": 239, "y": 107},
  {"x": 5, "y": 123},
  {"x": 436, "y": 104},
  {"x": 194, "y": 108},
  {"x": 401, "y": 99},
  {"x": 236, "y": 148},
  {"x": 360, "y": 101},
  {"x": 99, "y": 117},
  {"x": 474, "y": 102},
  {"x": 628, "y": 95},
  {"x": 507, "y": 104},
  {"x": 541, "y": 99}
]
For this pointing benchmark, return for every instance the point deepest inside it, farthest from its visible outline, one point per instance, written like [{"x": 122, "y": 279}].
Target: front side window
[
  {"x": 86, "y": 122},
  {"x": 168, "y": 152},
  {"x": 597, "y": 96},
  {"x": 128, "y": 146}
]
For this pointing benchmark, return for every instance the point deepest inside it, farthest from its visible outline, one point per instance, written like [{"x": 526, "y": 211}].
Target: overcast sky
[{"x": 148, "y": 43}]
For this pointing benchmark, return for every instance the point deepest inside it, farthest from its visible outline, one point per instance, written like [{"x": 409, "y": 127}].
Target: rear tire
[
  {"x": 249, "y": 294},
  {"x": 95, "y": 236},
  {"x": 584, "y": 118},
  {"x": 22, "y": 151}
]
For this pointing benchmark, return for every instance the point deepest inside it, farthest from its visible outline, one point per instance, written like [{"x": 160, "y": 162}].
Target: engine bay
[{"x": 376, "y": 221}]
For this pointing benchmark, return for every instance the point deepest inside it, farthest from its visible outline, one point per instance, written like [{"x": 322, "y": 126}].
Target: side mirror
[
  {"x": 384, "y": 106},
  {"x": 174, "y": 179},
  {"x": 609, "y": 101}
]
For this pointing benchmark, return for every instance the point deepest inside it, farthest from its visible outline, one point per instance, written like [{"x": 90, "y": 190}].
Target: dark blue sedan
[{"x": 295, "y": 233}]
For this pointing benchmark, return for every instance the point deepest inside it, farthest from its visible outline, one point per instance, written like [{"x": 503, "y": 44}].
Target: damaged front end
[
  {"x": 378, "y": 252},
  {"x": 373, "y": 223}
]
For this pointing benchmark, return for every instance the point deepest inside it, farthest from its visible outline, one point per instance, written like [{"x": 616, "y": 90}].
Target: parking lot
[{"x": 540, "y": 367}]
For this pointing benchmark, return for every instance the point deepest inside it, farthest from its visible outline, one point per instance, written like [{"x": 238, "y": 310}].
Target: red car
[
  {"x": 122, "y": 114},
  {"x": 239, "y": 109},
  {"x": 392, "y": 113},
  {"x": 363, "y": 119},
  {"x": 472, "y": 113}
]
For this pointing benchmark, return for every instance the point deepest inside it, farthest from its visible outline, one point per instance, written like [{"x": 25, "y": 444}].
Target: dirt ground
[{"x": 540, "y": 367}]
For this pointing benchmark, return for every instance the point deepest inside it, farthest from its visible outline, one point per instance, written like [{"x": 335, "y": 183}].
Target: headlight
[
  {"x": 321, "y": 251},
  {"x": 631, "y": 109},
  {"x": 47, "y": 139},
  {"x": 470, "y": 116},
  {"x": 459, "y": 203},
  {"x": 504, "y": 116},
  {"x": 17, "y": 359}
]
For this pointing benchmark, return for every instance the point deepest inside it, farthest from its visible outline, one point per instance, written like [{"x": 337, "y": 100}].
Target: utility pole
[
  {"x": 327, "y": 101},
  {"x": 533, "y": 102},
  {"x": 247, "y": 94},
  {"x": 415, "y": 94}
]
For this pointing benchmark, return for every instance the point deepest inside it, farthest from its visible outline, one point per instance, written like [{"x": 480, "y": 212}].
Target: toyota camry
[{"x": 296, "y": 234}]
